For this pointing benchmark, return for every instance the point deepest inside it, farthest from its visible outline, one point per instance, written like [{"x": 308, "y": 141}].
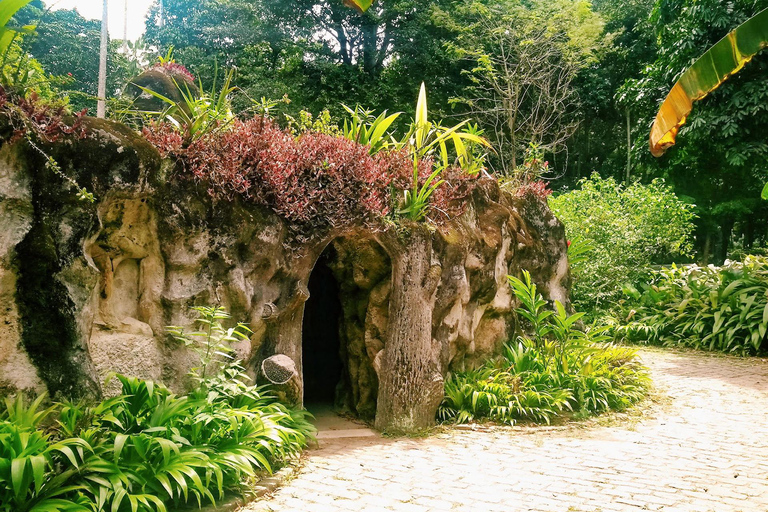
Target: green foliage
[
  {"x": 712, "y": 308},
  {"x": 147, "y": 449},
  {"x": 524, "y": 57},
  {"x": 211, "y": 342},
  {"x": 625, "y": 230},
  {"x": 307, "y": 122},
  {"x": 67, "y": 46},
  {"x": 366, "y": 129},
  {"x": 719, "y": 160},
  {"x": 424, "y": 141},
  {"x": 556, "y": 369},
  {"x": 20, "y": 73},
  {"x": 9, "y": 33}
]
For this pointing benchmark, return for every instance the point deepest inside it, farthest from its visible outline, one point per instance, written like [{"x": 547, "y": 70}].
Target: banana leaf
[
  {"x": 713, "y": 68},
  {"x": 360, "y": 5}
]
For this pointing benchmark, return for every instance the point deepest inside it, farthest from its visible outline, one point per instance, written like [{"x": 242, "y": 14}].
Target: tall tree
[
  {"x": 720, "y": 160},
  {"x": 600, "y": 142},
  {"x": 526, "y": 56}
]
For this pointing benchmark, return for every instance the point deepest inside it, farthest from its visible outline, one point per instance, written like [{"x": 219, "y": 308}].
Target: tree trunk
[
  {"x": 410, "y": 374},
  {"x": 629, "y": 150},
  {"x": 725, "y": 241},
  {"x": 706, "y": 253}
]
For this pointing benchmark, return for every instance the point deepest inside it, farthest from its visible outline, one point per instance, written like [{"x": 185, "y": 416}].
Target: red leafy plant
[
  {"x": 38, "y": 120},
  {"x": 174, "y": 69},
  {"x": 315, "y": 181},
  {"x": 538, "y": 189}
]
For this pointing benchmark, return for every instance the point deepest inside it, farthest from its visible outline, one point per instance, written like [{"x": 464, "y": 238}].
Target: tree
[
  {"x": 67, "y": 45},
  {"x": 600, "y": 143},
  {"x": 720, "y": 161},
  {"x": 527, "y": 56}
]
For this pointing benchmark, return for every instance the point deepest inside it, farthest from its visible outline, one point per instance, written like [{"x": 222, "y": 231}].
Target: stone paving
[{"x": 704, "y": 448}]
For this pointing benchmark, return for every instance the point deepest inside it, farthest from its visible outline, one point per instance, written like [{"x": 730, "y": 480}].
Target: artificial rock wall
[{"x": 89, "y": 289}]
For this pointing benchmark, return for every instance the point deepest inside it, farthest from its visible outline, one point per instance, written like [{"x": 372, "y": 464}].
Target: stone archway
[{"x": 353, "y": 275}]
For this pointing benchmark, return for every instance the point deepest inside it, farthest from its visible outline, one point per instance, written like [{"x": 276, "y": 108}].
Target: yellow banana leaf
[
  {"x": 360, "y": 5},
  {"x": 713, "y": 68}
]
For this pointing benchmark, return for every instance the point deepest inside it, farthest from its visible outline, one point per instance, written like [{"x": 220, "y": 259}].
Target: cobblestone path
[{"x": 704, "y": 448}]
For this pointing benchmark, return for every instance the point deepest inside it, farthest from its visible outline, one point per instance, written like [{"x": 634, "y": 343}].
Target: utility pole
[
  {"x": 101, "y": 105},
  {"x": 125, "y": 27}
]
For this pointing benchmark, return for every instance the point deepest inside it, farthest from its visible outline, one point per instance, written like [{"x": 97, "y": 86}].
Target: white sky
[{"x": 91, "y": 9}]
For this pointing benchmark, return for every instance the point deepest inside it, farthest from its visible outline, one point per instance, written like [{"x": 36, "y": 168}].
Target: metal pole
[{"x": 101, "y": 106}]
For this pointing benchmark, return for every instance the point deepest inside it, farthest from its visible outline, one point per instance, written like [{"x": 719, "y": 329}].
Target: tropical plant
[
  {"x": 554, "y": 368},
  {"x": 713, "y": 68},
  {"x": 212, "y": 342},
  {"x": 625, "y": 230},
  {"x": 366, "y": 129},
  {"x": 8, "y": 33},
  {"x": 428, "y": 141},
  {"x": 197, "y": 115},
  {"x": 147, "y": 449},
  {"x": 712, "y": 308}
]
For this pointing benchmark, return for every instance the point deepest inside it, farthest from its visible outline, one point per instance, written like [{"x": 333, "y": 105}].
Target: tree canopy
[{"x": 578, "y": 80}]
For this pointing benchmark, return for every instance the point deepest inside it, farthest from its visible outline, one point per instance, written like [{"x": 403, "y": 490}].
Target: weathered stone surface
[{"x": 90, "y": 289}]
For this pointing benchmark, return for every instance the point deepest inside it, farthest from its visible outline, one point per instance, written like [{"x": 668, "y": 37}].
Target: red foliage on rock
[
  {"x": 174, "y": 69},
  {"x": 538, "y": 189},
  {"x": 33, "y": 117},
  {"x": 313, "y": 181}
]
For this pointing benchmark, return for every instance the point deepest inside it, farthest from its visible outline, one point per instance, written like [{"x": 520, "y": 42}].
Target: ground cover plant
[
  {"x": 148, "y": 449},
  {"x": 556, "y": 369},
  {"x": 617, "y": 232},
  {"x": 713, "y": 308}
]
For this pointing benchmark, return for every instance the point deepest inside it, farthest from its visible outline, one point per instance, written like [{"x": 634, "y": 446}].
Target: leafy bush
[
  {"x": 147, "y": 448},
  {"x": 628, "y": 229},
  {"x": 714, "y": 308},
  {"x": 556, "y": 369}
]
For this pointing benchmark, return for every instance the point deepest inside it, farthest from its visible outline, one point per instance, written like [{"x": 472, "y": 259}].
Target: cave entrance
[{"x": 321, "y": 344}]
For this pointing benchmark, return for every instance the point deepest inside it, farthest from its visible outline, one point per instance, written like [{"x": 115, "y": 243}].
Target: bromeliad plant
[
  {"x": 366, "y": 129},
  {"x": 555, "y": 369},
  {"x": 197, "y": 115},
  {"x": 425, "y": 141},
  {"x": 429, "y": 141}
]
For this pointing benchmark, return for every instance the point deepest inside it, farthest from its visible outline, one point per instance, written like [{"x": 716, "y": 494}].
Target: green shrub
[
  {"x": 148, "y": 449},
  {"x": 714, "y": 308},
  {"x": 626, "y": 230},
  {"x": 555, "y": 370}
]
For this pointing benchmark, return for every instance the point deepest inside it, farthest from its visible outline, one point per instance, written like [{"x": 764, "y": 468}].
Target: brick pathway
[{"x": 705, "y": 448}]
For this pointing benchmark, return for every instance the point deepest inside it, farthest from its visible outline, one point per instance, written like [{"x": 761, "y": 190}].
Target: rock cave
[{"x": 89, "y": 289}]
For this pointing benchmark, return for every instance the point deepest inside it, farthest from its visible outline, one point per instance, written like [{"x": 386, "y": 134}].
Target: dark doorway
[{"x": 320, "y": 335}]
